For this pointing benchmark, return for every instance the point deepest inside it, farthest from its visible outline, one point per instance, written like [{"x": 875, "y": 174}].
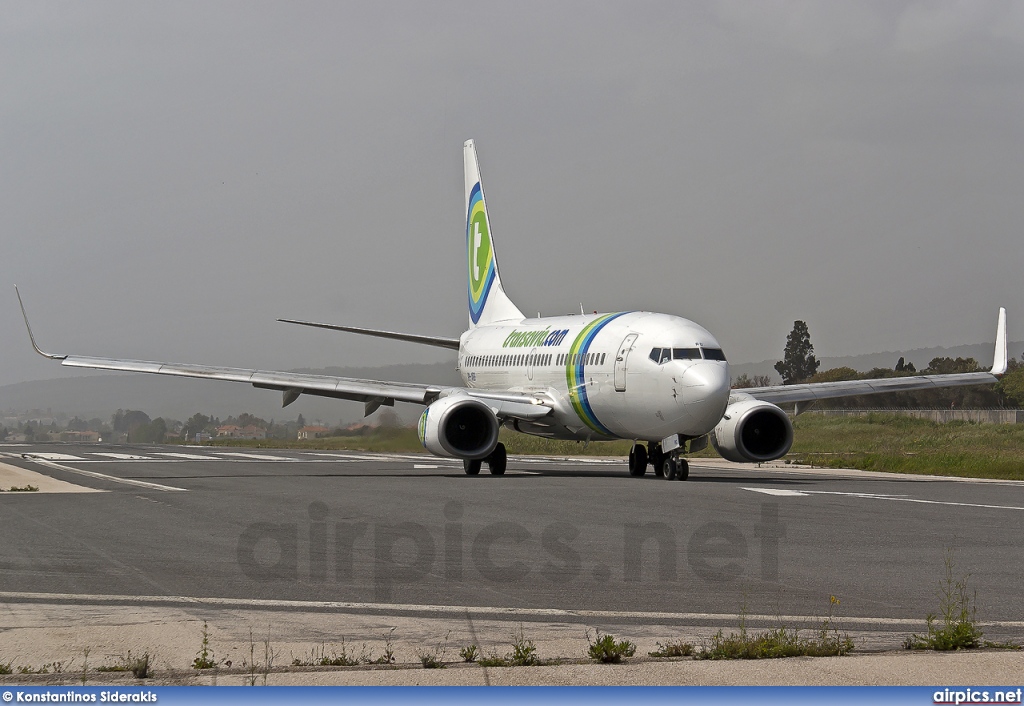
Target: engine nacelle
[
  {"x": 459, "y": 426},
  {"x": 753, "y": 430}
]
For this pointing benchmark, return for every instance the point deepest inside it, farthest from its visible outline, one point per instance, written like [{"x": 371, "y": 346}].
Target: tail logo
[{"x": 481, "y": 257}]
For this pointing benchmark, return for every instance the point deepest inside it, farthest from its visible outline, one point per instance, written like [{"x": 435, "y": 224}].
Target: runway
[{"x": 556, "y": 540}]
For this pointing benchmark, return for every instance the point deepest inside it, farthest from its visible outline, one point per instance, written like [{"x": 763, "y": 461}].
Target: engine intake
[
  {"x": 460, "y": 427},
  {"x": 753, "y": 430}
]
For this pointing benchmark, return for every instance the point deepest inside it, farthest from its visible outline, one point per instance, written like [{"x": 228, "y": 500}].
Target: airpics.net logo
[
  {"x": 481, "y": 258},
  {"x": 384, "y": 556}
]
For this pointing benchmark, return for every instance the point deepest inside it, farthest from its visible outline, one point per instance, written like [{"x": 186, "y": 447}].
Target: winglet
[
  {"x": 999, "y": 358},
  {"x": 32, "y": 338}
]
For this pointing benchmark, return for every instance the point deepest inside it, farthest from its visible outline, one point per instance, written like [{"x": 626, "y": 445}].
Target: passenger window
[{"x": 602, "y": 358}]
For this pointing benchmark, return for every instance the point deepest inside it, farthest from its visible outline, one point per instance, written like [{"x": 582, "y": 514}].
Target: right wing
[
  {"x": 372, "y": 393},
  {"x": 809, "y": 392}
]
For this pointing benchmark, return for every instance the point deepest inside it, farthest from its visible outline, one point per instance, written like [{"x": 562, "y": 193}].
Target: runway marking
[
  {"x": 456, "y": 610},
  {"x": 424, "y": 465},
  {"x": 121, "y": 457},
  {"x": 255, "y": 457},
  {"x": 53, "y": 457},
  {"x": 189, "y": 457},
  {"x": 874, "y": 496},
  {"x": 103, "y": 476}
]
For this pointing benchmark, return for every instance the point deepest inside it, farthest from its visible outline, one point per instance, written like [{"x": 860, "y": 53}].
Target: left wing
[
  {"x": 439, "y": 341},
  {"x": 808, "y": 392},
  {"x": 372, "y": 393}
]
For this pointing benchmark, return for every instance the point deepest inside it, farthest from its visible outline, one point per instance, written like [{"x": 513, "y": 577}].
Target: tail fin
[{"x": 488, "y": 302}]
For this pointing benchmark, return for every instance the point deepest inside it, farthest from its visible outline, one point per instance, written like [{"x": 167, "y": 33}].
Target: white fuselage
[{"x": 601, "y": 374}]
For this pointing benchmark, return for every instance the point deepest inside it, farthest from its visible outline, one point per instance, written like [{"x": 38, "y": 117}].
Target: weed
[
  {"x": 524, "y": 652},
  {"x": 435, "y": 658},
  {"x": 55, "y": 667},
  {"x": 389, "y": 648},
  {"x": 22, "y": 489},
  {"x": 470, "y": 653},
  {"x": 605, "y": 649},
  {"x": 205, "y": 657},
  {"x": 777, "y": 642},
  {"x": 139, "y": 665},
  {"x": 318, "y": 657},
  {"x": 493, "y": 660},
  {"x": 678, "y": 648},
  {"x": 85, "y": 664},
  {"x": 7, "y": 667},
  {"x": 959, "y": 611},
  {"x": 254, "y": 668}
]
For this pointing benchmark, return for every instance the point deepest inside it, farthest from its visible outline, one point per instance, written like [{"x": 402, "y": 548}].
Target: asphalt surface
[{"x": 553, "y": 538}]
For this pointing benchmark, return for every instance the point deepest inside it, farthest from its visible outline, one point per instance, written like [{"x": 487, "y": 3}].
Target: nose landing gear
[
  {"x": 670, "y": 466},
  {"x": 675, "y": 467}
]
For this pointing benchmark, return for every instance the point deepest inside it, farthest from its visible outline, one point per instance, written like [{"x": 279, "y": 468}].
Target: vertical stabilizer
[{"x": 488, "y": 302}]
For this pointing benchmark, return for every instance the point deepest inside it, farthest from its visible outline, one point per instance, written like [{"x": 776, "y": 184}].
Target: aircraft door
[
  {"x": 529, "y": 364},
  {"x": 620, "y": 361}
]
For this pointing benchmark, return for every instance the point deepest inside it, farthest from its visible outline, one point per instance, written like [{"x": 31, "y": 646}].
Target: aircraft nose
[
  {"x": 710, "y": 381},
  {"x": 710, "y": 378}
]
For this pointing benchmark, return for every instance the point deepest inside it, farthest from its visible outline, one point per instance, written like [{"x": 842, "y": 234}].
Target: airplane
[{"x": 659, "y": 380}]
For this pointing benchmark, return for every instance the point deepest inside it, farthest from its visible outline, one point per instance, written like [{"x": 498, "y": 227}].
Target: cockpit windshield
[{"x": 663, "y": 355}]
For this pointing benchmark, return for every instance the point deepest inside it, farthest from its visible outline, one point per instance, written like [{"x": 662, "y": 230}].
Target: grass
[
  {"x": 896, "y": 444},
  {"x": 21, "y": 489},
  {"x": 876, "y": 442}
]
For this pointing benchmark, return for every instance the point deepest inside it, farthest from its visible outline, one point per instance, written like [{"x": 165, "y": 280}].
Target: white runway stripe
[
  {"x": 53, "y": 457},
  {"x": 103, "y": 476},
  {"x": 255, "y": 457},
  {"x": 406, "y": 608},
  {"x": 121, "y": 457},
  {"x": 189, "y": 457}
]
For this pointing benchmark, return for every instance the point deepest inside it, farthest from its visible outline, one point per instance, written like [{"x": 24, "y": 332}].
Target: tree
[
  {"x": 195, "y": 424},
  {"x": 301, "y": 421},
  {"x": 744, "y": 381},
  {"x": 128, "y": 420},
  {"x": 798, "y": 362}
]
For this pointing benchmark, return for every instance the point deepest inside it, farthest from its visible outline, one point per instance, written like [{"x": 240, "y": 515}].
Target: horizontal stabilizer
[{"x": 438, "y": 341}]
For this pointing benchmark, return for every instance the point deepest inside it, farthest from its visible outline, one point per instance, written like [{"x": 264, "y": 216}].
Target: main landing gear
[
  {"x": 496, "y": 462},
  {"x": 670, "y": 466}
]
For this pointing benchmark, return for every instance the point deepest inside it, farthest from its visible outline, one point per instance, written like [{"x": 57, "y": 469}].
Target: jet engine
[
  {"x": 753, "y": 430},
  {"x": 459, "y": 426}
]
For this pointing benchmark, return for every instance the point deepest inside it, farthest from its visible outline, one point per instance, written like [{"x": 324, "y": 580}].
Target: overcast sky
[{"x": 175, "y": 176}]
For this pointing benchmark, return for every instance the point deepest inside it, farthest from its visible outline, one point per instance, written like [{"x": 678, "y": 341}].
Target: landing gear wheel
[
  {"x": 472, "y": 467},
  {"x": 656, "y": 458},
  {"x": 497, "y": 461},
  {"x": 669, "y": 468},
  {"x": 684, "y": 469},
  {"x": 637, "y": 461}
]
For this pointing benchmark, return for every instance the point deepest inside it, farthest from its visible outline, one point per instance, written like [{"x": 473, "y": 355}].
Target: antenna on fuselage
[{"x": 581, "y": 310}]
